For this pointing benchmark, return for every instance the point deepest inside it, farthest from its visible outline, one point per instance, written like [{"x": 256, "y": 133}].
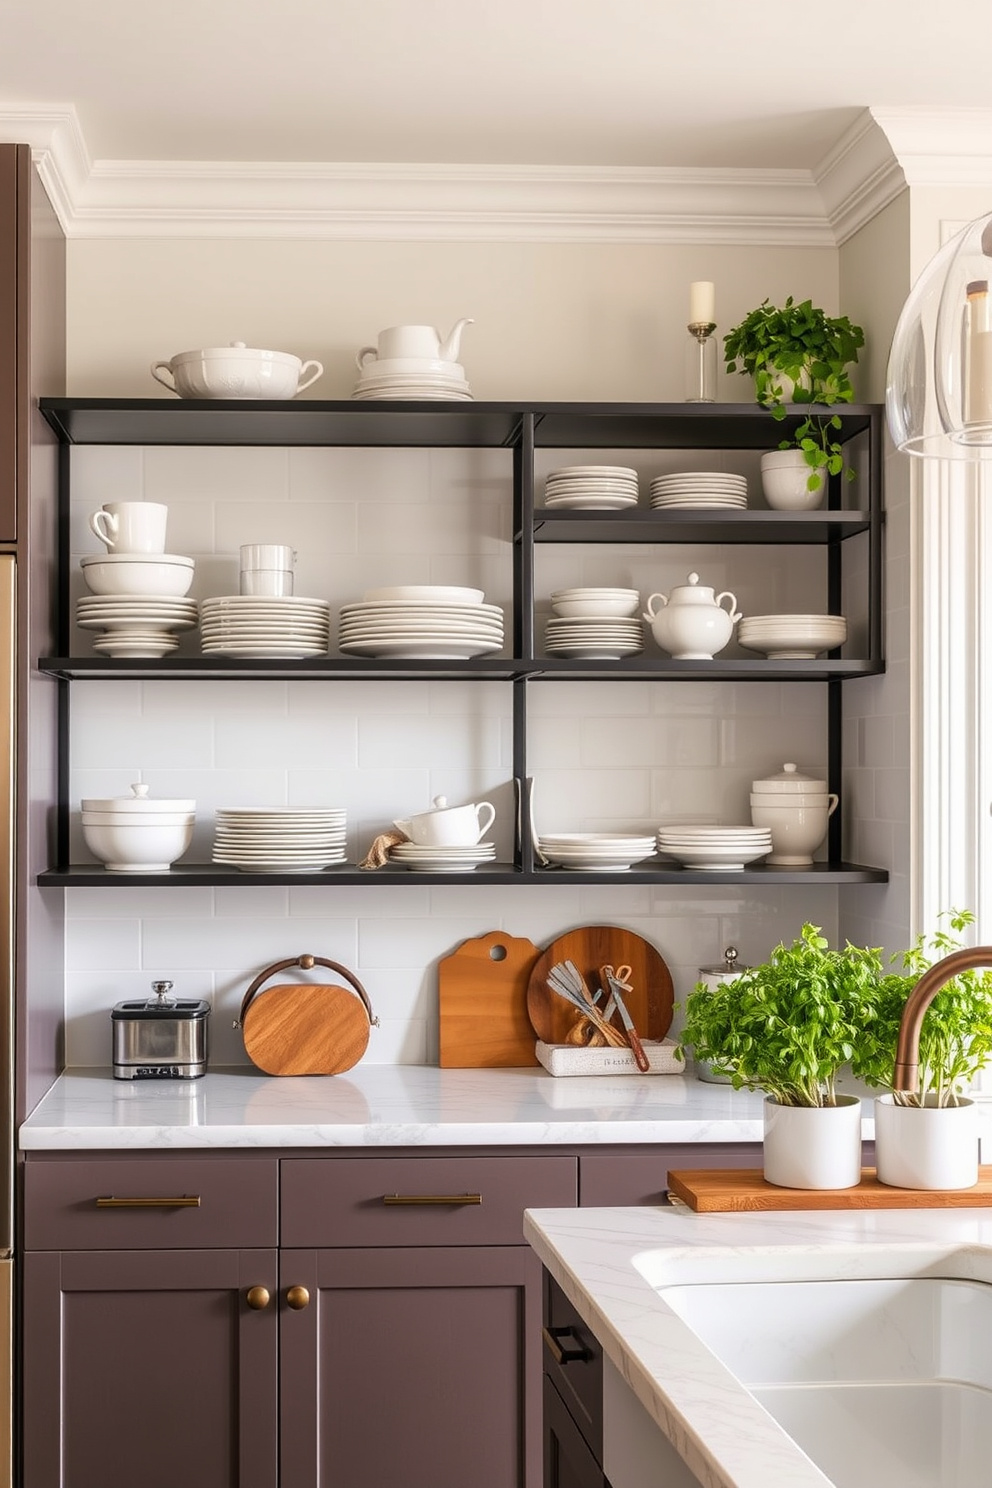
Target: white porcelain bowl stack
[
  {"x": 137, "y": 833},
  {"x": 595, "y": 852},
  {"x": 592, "y": 487},
  {"x": 796, "y": 809},
  {"x": 698, "y": 488},
  {"x": 421, "y": 621},
  {"x": 265, "y": 625},
  {"x": 280, "y": 839},
  {"x": 792, "y": 637},
  {"x": 135, "y": 625},
  {"x": 594, "y": 624},
  {"x": 715, "y": 849}
]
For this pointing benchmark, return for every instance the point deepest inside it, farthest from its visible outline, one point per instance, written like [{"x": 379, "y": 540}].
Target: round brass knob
[
  {"x": 258, "y": 1297},
  {"x": 298, "y": 1297}
]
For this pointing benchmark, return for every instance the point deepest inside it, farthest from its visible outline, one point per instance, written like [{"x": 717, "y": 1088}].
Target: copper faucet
[{"x": 906, "y": 1074}]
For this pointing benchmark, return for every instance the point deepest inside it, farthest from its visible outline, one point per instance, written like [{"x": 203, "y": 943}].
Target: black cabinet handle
[{"x": 555, "y": 1339}]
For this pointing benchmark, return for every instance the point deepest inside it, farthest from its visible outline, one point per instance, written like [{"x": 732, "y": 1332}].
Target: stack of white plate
[
  {"x": 442, "y": 859},
  {"x": 593, "y": 639},
  {"x": 136, "y": 625},
  {"x": 602, "y": 852},
  {"x": 426, "y": 629},
  {"x": 265, "y": 625},
  {"x": 413, "y": 377},
  {"x": 592, "y": 487},
  {"x": 698, "y": 488},
  {"x": 792, "y": 637},
  {"x": 718, "y": 849},
  {"x": 279, "y": 839}
]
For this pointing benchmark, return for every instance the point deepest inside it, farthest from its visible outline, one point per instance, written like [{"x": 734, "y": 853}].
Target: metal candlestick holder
[{"x": 700, "y": 362}]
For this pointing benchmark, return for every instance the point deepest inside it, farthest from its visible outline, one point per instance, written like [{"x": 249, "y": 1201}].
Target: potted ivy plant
[
  {"x": 927, "y": 1138},
  {"x": 799, "y": 354},
  {"x": 787, "y": 1027}
]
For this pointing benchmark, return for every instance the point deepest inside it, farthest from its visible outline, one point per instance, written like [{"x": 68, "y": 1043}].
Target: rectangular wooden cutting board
[
  {"x": 744, "y": 1190},
  {"x": 482, "y": 1003}
]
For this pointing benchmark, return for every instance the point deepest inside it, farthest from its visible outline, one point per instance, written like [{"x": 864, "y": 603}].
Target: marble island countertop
[
  {"x": 386, "y": 1106},
  {"x": 609, "y": 1263}
]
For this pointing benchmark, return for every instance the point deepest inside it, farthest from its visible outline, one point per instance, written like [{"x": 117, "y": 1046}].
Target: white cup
[
  {"x": 266, "y": 581},
  {"x": 131, "y": 526},
  {"x": 453, "y": 826}
]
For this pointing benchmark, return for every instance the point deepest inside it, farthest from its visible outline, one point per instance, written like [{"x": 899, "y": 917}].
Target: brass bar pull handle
[
  {"x": 463, "y": 1198},
  {"x": 183, "y": 1201},
  {"x": 555, "y": 1337},
  {"x": 258, "y": 1298}
]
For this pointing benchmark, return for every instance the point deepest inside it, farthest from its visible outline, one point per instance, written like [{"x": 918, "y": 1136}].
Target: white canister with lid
[
  {"x": 790, "y": 781},
  {"x": 714, "y": 976}
]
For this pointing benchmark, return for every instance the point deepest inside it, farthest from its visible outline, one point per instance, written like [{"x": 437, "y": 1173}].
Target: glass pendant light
[{"x": 938, "y": 395}]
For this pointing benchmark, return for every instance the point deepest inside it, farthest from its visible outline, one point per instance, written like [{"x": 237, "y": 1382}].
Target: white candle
[{"x": 702, "y": 303}]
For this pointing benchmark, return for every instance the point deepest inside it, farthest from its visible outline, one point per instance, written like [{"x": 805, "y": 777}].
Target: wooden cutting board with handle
[
  {"x": 590, "y": 947},
  {"x": 482, "y": 1003}
]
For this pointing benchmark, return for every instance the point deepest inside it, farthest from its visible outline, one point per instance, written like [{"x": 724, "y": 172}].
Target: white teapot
[
  {"x": 449, "y": 826},
  {"x": 416, "y": 342},
  {"x": 691, "y": 623}
]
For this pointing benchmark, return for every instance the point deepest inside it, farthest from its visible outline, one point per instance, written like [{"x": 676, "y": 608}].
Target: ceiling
[{"x": 700, "y": 83}]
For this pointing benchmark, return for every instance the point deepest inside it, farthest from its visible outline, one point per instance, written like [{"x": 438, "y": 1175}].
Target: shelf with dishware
[{"x": 715, "y": 511}]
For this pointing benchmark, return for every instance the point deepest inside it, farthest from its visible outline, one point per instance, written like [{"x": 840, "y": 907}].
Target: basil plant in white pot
[
  {"x": 788, "y": 1027},
  {"x": 927, "y": 1137}
]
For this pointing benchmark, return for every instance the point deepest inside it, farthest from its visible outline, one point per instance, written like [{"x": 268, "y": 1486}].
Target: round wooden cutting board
[{"x": 589, "y": 948}]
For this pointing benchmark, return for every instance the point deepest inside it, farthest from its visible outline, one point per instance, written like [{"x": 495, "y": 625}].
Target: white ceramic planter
[
  {"x": 926, "y": 1147},
  {"x": 813, "y": 1146},
  {"x": 785, "y": 481}
]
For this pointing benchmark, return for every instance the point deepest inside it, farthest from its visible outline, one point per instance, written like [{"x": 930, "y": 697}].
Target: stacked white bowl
[
  {"x": 135, "y": 834},
  {"x": 795, "y": 808},
  {"x": 594, "y": 624},
  {"x": 139, "y": 600},
  {"x": 716, "y": 849},
  {"x": 595, "y": 852},
  {"x": 792, "y": 637}
]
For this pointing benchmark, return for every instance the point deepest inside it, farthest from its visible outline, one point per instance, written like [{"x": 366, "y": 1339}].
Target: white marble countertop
[
  {"x": 609, "y": 1262},
  {"x": 387, "y": 1106}
]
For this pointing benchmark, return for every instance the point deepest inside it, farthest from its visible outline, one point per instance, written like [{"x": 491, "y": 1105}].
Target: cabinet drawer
[
  {"x": 642, "y": 1177},
  {"x": 573, "y": 1360},
  {"x": 419, "y": 1200},
  {"x": 236, "y": 1204}
]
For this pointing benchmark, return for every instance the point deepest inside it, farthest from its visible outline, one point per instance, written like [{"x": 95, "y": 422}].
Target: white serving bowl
[
  {"x": 784, "y": 481},
  {"x": 792, "y": 636},
  {"x": 596, "y": 603},
  {"x": 158, "y": 575},
  {"x": 441, "y": 594},
  {"x": 235, "y": 371},
  {"x": 138, "y": 846}
]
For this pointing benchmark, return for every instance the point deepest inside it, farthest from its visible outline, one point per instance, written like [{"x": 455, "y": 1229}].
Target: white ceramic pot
[
  {"x": 139, "y": 846},
  {"x": 797, "y": 829},
  {"x": 691, "y": 623},
  {"x": 785, "y": 477},
  {"x": 926, "y": 1147},
  {"x": 813, "y": 1146},
  {"x": 235, "y": 371}
]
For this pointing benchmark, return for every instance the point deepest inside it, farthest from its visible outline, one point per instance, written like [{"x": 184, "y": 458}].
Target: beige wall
[{"x": 556, "y": 321}]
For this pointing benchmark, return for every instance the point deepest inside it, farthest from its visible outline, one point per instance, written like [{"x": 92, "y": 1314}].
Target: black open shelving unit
[{"x": 523, "y": 428}]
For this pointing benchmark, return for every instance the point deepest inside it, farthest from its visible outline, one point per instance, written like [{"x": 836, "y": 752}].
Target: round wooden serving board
[{"x": 589, "y": 948}]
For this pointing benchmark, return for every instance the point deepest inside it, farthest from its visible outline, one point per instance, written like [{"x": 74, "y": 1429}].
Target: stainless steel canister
[
  {"x": 714, "y": 976},
  {"x": 160, "y": 1037}
]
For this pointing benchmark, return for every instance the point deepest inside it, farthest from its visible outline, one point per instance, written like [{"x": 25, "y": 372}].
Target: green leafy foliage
[
  {"x": 956, "y": 1036},
  {"x": 788, "y": 1026},
  {"x": 813, "y": 351}
]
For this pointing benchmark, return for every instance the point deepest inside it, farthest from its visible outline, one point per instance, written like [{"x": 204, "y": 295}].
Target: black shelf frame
[{"x": 524, "y": 428}]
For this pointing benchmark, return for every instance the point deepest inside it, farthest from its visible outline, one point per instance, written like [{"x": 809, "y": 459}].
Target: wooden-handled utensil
[{"x": 640, "y": 1058}]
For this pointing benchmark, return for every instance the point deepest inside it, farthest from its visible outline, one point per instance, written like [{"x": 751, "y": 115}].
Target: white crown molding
[
  {"x": 205, "y": 199},
  {"x": 858, "y": 177},
  {"x": 940, "y": 146}
]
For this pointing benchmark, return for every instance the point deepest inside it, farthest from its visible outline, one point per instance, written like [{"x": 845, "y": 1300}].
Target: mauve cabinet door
[
  {"x": 149, "y": 1368},
  {"x": 412, "y": 1369}
]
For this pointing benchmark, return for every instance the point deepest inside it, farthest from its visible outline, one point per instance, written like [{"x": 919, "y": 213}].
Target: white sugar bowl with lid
[
  {"x": 691, "y": 623},
  {"x": 796, "y": 809},
  {"x": 136, "y": 833}
]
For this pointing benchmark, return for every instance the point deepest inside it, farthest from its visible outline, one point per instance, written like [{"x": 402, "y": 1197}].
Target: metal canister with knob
[{"x": 714, "y": 976}]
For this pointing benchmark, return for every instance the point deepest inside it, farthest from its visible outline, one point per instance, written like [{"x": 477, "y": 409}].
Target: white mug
[
  {"x": 131, "y": 526},
  {"x": 452, "y": 826}
]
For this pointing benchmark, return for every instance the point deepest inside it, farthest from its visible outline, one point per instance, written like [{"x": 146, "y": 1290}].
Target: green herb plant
[
  {"x": 787, "y": 1027},
  {"x": 956, "y": 1036},
  {"x": 811, "y": 349}
]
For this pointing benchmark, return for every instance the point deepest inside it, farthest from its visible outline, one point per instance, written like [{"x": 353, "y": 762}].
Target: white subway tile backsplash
[{"x": 619, "y": 755}]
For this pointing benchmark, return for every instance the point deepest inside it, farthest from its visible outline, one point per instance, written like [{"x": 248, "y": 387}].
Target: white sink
[{"x": 878, "y": 1381}]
